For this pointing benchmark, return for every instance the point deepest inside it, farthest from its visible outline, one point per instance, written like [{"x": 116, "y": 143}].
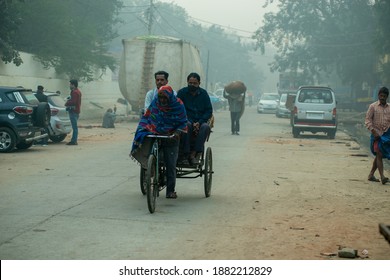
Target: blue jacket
[{"x": 198, "y": 107}]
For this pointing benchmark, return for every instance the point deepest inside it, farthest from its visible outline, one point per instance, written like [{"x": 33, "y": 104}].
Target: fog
[{"x": 342, "y": 44}]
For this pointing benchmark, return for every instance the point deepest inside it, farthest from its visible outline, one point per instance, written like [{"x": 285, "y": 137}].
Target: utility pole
[
  {"x": 207, "y": 69},
  {"x": 150, "y": 21}
]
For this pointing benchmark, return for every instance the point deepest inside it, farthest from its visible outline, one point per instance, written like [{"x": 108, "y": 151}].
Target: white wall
[{"x": 104, "y": 92}]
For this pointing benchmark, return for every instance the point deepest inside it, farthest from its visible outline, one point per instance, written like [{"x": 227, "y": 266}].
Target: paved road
[{"x": 84, "y": 202}]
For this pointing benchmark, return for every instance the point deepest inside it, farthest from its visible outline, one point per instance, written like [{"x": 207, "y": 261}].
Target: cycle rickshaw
[{"x": 152, "y": 177}]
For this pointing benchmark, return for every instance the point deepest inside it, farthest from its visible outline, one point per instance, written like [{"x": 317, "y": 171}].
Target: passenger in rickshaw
[
  {"x": 199, "y": 111},
  {"x": 166, "y": 115}
]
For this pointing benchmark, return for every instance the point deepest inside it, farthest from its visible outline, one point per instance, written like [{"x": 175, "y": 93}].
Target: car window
[
  {"x": 31, "y": 97},
  {"x": 270, "y": 97},
  {"x": 56, "y": 100},
  {"x": 283, "y": 98},
  {"x": 315, "y": 96},
  {"x": 16, "y": 97}
]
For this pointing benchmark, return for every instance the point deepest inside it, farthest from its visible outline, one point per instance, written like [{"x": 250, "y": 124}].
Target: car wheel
[
  {"x": 24, "y": 145},
  {"x": 42, "y": 115},
  {"x": 331, "y": 134},
  {"x": 7, "y": 140},
  {"x": 57, "y": 138}
]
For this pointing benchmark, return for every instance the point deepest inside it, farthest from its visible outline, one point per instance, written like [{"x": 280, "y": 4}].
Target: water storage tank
[{"x": 143, "y": 56}]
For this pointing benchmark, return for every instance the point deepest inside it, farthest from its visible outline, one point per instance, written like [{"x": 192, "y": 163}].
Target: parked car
[
  {"x": 60, "y": 125},
  {"x": 215, "y": 101},
  {"x": 281, "y": 110},
  {"x": 21, "y": 121},
  {"x": 219, "y": 93},
  {"x": 315, "y": 111},
  {"x": 267, "y": 103}
]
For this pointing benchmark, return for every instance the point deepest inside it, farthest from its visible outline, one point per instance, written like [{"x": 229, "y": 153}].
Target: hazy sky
[{"x": 242, "y": 16}]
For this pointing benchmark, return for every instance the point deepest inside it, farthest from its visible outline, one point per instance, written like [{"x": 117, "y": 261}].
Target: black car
[{"x": 21, "y": 121}]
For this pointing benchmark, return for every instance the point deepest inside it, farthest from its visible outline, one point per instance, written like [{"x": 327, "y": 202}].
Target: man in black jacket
[
  {"x": 199, "y": 110},
  {"x": 42, "y": 98},
  {"x": 40, "y": 95}
]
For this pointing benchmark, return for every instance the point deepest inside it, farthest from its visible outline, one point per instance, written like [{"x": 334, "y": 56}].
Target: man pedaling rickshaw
[{"x": 166, "y": 115}]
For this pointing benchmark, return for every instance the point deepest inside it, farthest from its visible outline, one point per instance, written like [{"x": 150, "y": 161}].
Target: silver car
[
  {"x": 281, "y": 109},
  {"x": 315, "y": 111},
  {"x": 268, "y": 103},
  {"x": 60, "y": 125}
]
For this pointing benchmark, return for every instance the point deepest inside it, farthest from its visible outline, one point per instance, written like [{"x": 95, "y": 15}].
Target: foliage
[
  {"x": 76, "y": 36},
  {"x": 322, "y": 36},
  {"x": 9, "y": 23},
  {"x": 69, "y": 35},
  {"x": 382, "y": 38}
]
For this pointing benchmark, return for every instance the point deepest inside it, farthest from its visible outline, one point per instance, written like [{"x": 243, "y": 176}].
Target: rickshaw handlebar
[{"x": 160, "y": 136}]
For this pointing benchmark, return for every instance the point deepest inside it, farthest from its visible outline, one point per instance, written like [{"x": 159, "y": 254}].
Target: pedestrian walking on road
[
  {"x": 235, "y": 94},
  {"x": 377, "y": 122}
]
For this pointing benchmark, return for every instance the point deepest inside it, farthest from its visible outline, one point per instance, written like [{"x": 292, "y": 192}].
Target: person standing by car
[
  {"x": 73, "y": 107},
  {"x": 40, "y": 95},
  {"x": 166, "y": 115},
  {"x": 235, "y": 94},
  {"x": 377, "y": 122},
  {"x": 199, "y": 111},
  {"x": 42, "y": 98}
]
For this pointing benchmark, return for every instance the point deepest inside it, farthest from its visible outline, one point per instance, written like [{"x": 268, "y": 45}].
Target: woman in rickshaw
[{"x": 165, "y": 116}]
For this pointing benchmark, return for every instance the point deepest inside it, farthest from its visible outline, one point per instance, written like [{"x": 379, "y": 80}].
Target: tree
[
  {"x": 71, "y": 36},
  {"x": 9, "y": 23},
  {"x": 319, "y": 37},
  {"x": 382, "y": 38}
]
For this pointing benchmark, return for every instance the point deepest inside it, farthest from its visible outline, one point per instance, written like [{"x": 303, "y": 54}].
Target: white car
[
  {"x": 268, "y": 103},
  {"x": 60, "y": 125},
  {"x": 315, "y": 111},
  {"x": 281, "y": 109}
]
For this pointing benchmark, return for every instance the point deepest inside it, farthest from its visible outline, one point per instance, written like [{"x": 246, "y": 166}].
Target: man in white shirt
[{"x": 161, "y": 79}]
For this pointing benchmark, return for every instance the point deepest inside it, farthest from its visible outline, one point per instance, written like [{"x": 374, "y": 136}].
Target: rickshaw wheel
[
  {"x": 151, "y": 183},
  {"x": 208, "y": 172},
  {"x": 142, "y": 180}
]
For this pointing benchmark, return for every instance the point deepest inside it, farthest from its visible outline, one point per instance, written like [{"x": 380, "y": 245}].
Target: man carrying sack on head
[{"x": 235, "y": 94}]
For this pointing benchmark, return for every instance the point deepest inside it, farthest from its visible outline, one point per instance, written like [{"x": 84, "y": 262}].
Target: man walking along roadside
[
  {"x": 234, "y": 92},
  {"x": 377, "y": 122},
  {"x": 73, "y": 107}
]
